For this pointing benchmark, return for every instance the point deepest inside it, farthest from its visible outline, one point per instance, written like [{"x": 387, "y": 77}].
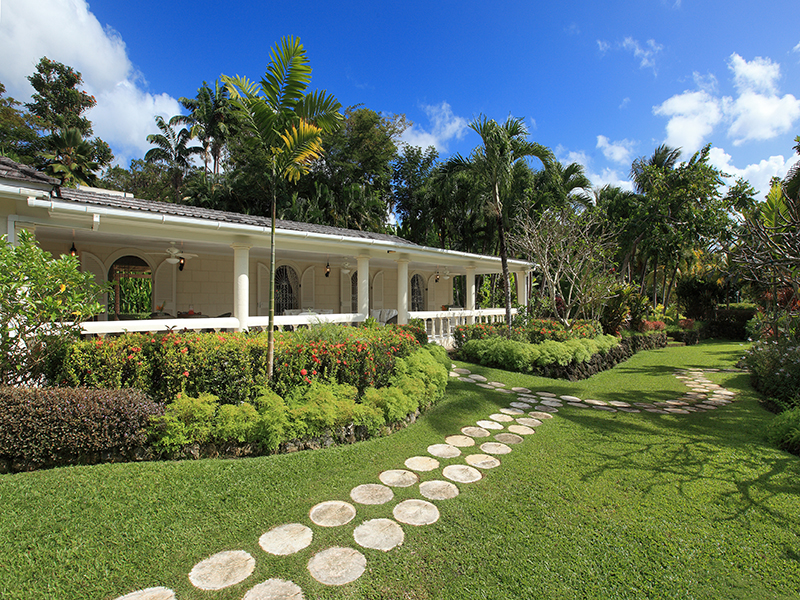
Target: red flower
[
  {"x": 303, "y": 372},
  {"x": 186, "y": 373}
]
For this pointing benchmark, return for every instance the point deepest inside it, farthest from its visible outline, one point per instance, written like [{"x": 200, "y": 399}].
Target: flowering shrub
[
  {"x": 653, "y": 326},
  {"x": 775, "y": 370},
  {"x": 534, "y": 331},
  {"x": 686, "y": 323}
]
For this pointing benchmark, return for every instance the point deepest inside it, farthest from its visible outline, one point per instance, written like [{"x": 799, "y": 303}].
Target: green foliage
[
  {"x": 784, "y": 430},
  {"x": 775, "y": 370},
  {"x": 392, "y": 401},
  {"x": 46, "y": 426},
  {"x": 422, "y": 377},
  {"x": 625, "y": 305},
  {"x": 416, "y": 327},
  {"x": 698, "y": 296},
  {"x": 42, "y": 301},
  {"x": 19, "y": 138}
]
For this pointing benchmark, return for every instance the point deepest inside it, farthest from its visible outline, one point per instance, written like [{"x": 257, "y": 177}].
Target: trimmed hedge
[
  {"x": 533, "y": 331},
  {"x": 42, "y": 427}
]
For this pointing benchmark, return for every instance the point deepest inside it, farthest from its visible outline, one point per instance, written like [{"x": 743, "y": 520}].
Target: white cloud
[
  {"x": 66, "y": 31},
  {"x": 605, "y": 177},
  {"x": 625, "y": 102},
  {"x": 603, "y": 46},
  {"x": 646, "y": 54},
  {"x": 758, "y": 75},
  {"x": 796, "y": 48},
  {"x": 758, "y": 174},
  {"x": 444, "y": 126},
  {"x": 692, "y": 117},
  {"x": 618, "y": 152}
]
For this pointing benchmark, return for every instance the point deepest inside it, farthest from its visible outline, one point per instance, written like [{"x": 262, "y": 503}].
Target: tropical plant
[
  {"x": 71, "y": 158},
  {"x": 209, "y": 121},
  {"x": 504, "y": 147},
  {"x": 172, "y": 150},
  {"x": 286, "y": 123}
]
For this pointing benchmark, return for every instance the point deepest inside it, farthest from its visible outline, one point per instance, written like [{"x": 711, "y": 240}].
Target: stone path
[{"x": 475, "y": 449}]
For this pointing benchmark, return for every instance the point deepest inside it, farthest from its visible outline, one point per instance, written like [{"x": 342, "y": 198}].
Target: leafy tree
[
  {"x": 19, "y": 138},
  {"x": 146, "y": 180},
  {"x": 560, "y": 186},
  {"x": 414, "y": 196},
  {"x": 503, "y": 147},
  {"x": 209, "y": 120},
  {"x": 42, "y": 301},
  {"x": 172, "y": 150},
  {"x": 286, "y": 124}
]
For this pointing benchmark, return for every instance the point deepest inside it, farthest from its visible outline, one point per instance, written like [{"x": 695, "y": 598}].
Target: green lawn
[{"x": 594, "y": 505}]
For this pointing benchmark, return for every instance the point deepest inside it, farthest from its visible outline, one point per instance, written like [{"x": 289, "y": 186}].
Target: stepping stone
[
  {"x": 461, "y": 473},
  {"x": 577, "y": 404},
  {"x": 643, "y": 404},
  {"x": 275, "y": 589},
  {"x": 540, "y": 415},
  {"x": 501, "y": 418},
  {"x": 485, "y": 386},
  {"x": 676, "y": 403},
  {"x": 379, "y": 534},
  {"x": 497, "y": 384},
  {"x": 618, "y": 403},
  {"x": 521, "y": 390},
  {"x": 153, "y": 593},
  {"x": 466, "y": 379},
  {"x": 628, "y": 410},
  {"x": 570, "y": 398},
  {"x": 482, "y": 461},
  {"x": 444, "y": 450},
  {"x": 475, "y": 432},
  {"x": 462, "y": 371},
  {"x": 521, "y": 429},
  {"x": 661, "y": 403},
  {"x": 520, "y": 405},
  {"x": 222, "y": 570},
  {"x": 416, "y": 512},
  {"x": 454, "y": 374},
  {"x": 371, "y": 493},
  {"x": 422, "y": 463},
  {"x": 545, "y": 408},
  {"x": 605, "y": 408},
  {"x": 508, "y": 438},
  {"x": 596, "y": 402},
  {"x": 461, "y": 441},
  {"x": 554, "y": 403},
  {"x": 657, "y": 411},
  {"x": 398, "y": 478},
  {"x": 337, "y": 566},
  {"x": 677, "y": 411},
  {"x": 512, "y": 411},
  {"x": 707, "y": 406},
  {"x": 546, "y": 394},
  {"x": 478, "y": 377},
  {"x": 332, "y": 513},
  {"x": 527, "y": 398},
  {"x": 438, "y": 490},
  {"x": 495, "y": 448},
  {"x": 531, "y": 422},
  {"x": 503, "y": 390},
  {"x": 489, "y": 424},
  {"x": 691, "y": 409},
  {"x": 286, "y": 539}
]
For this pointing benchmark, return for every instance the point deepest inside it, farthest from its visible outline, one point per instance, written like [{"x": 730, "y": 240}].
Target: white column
[
  {"x": 363, "y": 286},
  {"x": 470, "y": 293},
  {"x": 522, "y": 288},
  {"x": 402, "y": 292},
  {"x": 241, "y": 284}
]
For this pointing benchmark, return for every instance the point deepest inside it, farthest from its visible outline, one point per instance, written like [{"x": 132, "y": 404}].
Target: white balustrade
[{"x": 441, "y": 325}]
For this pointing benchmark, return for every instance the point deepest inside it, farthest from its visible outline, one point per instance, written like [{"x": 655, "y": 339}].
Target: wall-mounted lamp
[
  {"x": 328, "y": 269},
  {"x": 437, "y": 277},
  {"x": 181, "y": 263},
  {"x": 73, "y": 251}
]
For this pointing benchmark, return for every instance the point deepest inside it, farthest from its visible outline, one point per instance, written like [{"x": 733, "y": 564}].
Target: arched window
[
  {"x": 132, "y": 294},
  {"x": 354, "y": 292},
  {"x": 417, "y": 293},
  {"x": 287, "y": 289}
]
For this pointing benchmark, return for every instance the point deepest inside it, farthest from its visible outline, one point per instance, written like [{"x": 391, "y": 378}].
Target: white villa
[{"x": 210, "y": 269}]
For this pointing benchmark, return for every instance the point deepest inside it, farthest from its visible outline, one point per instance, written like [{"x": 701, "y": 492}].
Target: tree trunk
[
  {"x": 504, "y": 262},
  {"x": 644, "y": 274},
  {"x": 669, "y": 289},
  {"x": 271, "y": 332}
]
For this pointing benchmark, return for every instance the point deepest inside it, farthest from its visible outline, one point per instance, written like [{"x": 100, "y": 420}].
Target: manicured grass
[{"x": 594, "y": 505}]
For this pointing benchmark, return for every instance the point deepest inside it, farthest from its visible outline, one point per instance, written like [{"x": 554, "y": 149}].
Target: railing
[{"x": 441, "y": 325}]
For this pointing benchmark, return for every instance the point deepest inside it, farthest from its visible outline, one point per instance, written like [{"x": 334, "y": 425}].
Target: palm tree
[
  {"x": 562, "y": 186},
  {"x": 209, "y": 121},
  {"x": 504, "y": 146},
  {"x": 287, "y": 124},
  {"x": 71, "y": 158},
  {"x": 172, "y": 150}
]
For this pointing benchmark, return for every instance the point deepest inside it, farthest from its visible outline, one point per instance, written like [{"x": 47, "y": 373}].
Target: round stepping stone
[
  {"x": 628, "y": 410},
  {"x": 332, "y": 513},
  {"x": 379, "y": 534},
  {"x": 596, "y": 402},
  {"x": 502, "y": 390},
  {"x": 422, "y": 463},
  {"x": 337, "y": 566},
  {"x": 462, "y": 371},
  {"x": 371, "y": 493},
  {"x": 521, "y": 390},
  {"x": 398, "y": 478},
  {"x": 489, "y": 424},
  {"x": 482, "y": 461},
  {"x": 497, "y": 384},
  {"x": 454, "y": 374},
  {"x": 501, "y": 418},
  {"x": 461, "y": 441},
  {"x": 618, "y": 403},
  {"x": 478, "y": 377},
  {"x": 153, "y": 593},
  {"x": 529, "y": 422},
  {"x": 461, "y": 473},
  {"x": 485, "y": 386},
  {"x": 444, "y": 450},
  {"x": 577, "y": 404},
  {"x": 605, "y": 408},
  {"x": 677, "y": 411},
  {"x": 570, "y": 398},
  {"x": 438, "y": 490},
  {"x": 540, "y": 415},
  {"x": 222, "y": 570},
  {"x": 466, "y": 379},
  {"x": 521, "y": 429},
  {"x": 275, "y": 589},
  {"x": 475, "y": 432},
  {"x": 520, "y": 405},
  {"x": 512, "y": 411},
  {"x": 643, "y": 404},
  {"x": 657, "y": 411},
  {"x": 676, "y": 403},
  {"x": 416, "y": 512},
  {"x": 546, "y": 394},
  {"x": 495, "y": 448},
  {"x": 552, "y": 403},
  {"x": 286, "y": 539},
  {"x": 545, "y": 408},
  {"x": 508, "y": 438}
]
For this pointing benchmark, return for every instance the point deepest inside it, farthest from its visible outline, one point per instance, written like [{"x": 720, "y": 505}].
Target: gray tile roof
[{"x": 10, "y": 169}]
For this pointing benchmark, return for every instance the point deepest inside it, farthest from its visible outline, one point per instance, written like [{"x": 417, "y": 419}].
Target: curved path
[{"x": 480, "y": 447}]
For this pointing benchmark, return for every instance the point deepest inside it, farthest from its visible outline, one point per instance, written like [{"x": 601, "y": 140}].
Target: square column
[
  {"x": 402, "y": 292},
  {"x": 522, "y": 287},
  {"x": 241, "y": 284},
  {"x": 363, "y": 286}
]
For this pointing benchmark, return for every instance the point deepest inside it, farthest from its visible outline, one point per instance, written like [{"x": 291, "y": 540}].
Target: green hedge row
[{"x": 533, "y": 331}]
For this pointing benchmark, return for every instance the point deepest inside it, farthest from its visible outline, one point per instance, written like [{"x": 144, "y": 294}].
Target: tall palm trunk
[{"x": 271, "y": 332}]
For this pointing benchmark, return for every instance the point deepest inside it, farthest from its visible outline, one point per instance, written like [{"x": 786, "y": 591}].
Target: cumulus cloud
[
  {"x": 618, "y": 152},
  {"x": 757, "y": 174},
  {"x": 646, "y": 54},
  {"x": 444, "y": 126},
  {"x": 67, "y": 32},
  {"x": 757, "y": 112}
]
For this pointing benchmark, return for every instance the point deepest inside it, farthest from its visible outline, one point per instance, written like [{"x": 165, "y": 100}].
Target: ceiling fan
[{"x": 175, "y": 255}]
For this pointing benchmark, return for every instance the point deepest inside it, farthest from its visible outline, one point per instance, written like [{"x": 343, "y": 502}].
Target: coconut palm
[
  {"x": 172, "y": 150},
  {"x": 285, "y": 122},
  {"x": 209, "y": 121},
  {"x": 504, "y": 146},
  {"x": 71, "y": 158}
]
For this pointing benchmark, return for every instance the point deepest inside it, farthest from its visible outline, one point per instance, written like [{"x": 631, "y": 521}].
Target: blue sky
[{"x": 599, "y": 82}]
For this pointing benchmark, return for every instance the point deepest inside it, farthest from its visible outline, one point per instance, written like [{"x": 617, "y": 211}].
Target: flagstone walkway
[{"x": 339, "y": 566}]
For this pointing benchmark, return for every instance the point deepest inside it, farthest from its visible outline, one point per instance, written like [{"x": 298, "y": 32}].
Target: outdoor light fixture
[
  {"x": 181, "y": 263},
  {"x": 73, "y": 251},
  {"x": 328, "y": 269},
  {"x": 173, "y": 260},
  {"x": 437, "y": 276}
]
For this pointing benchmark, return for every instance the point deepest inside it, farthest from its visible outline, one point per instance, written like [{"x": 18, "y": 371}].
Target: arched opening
[
  {"x": 287, "y": 290},
  {"x": 417, "y": 293},
  {"x": 131, "y": 296}
]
